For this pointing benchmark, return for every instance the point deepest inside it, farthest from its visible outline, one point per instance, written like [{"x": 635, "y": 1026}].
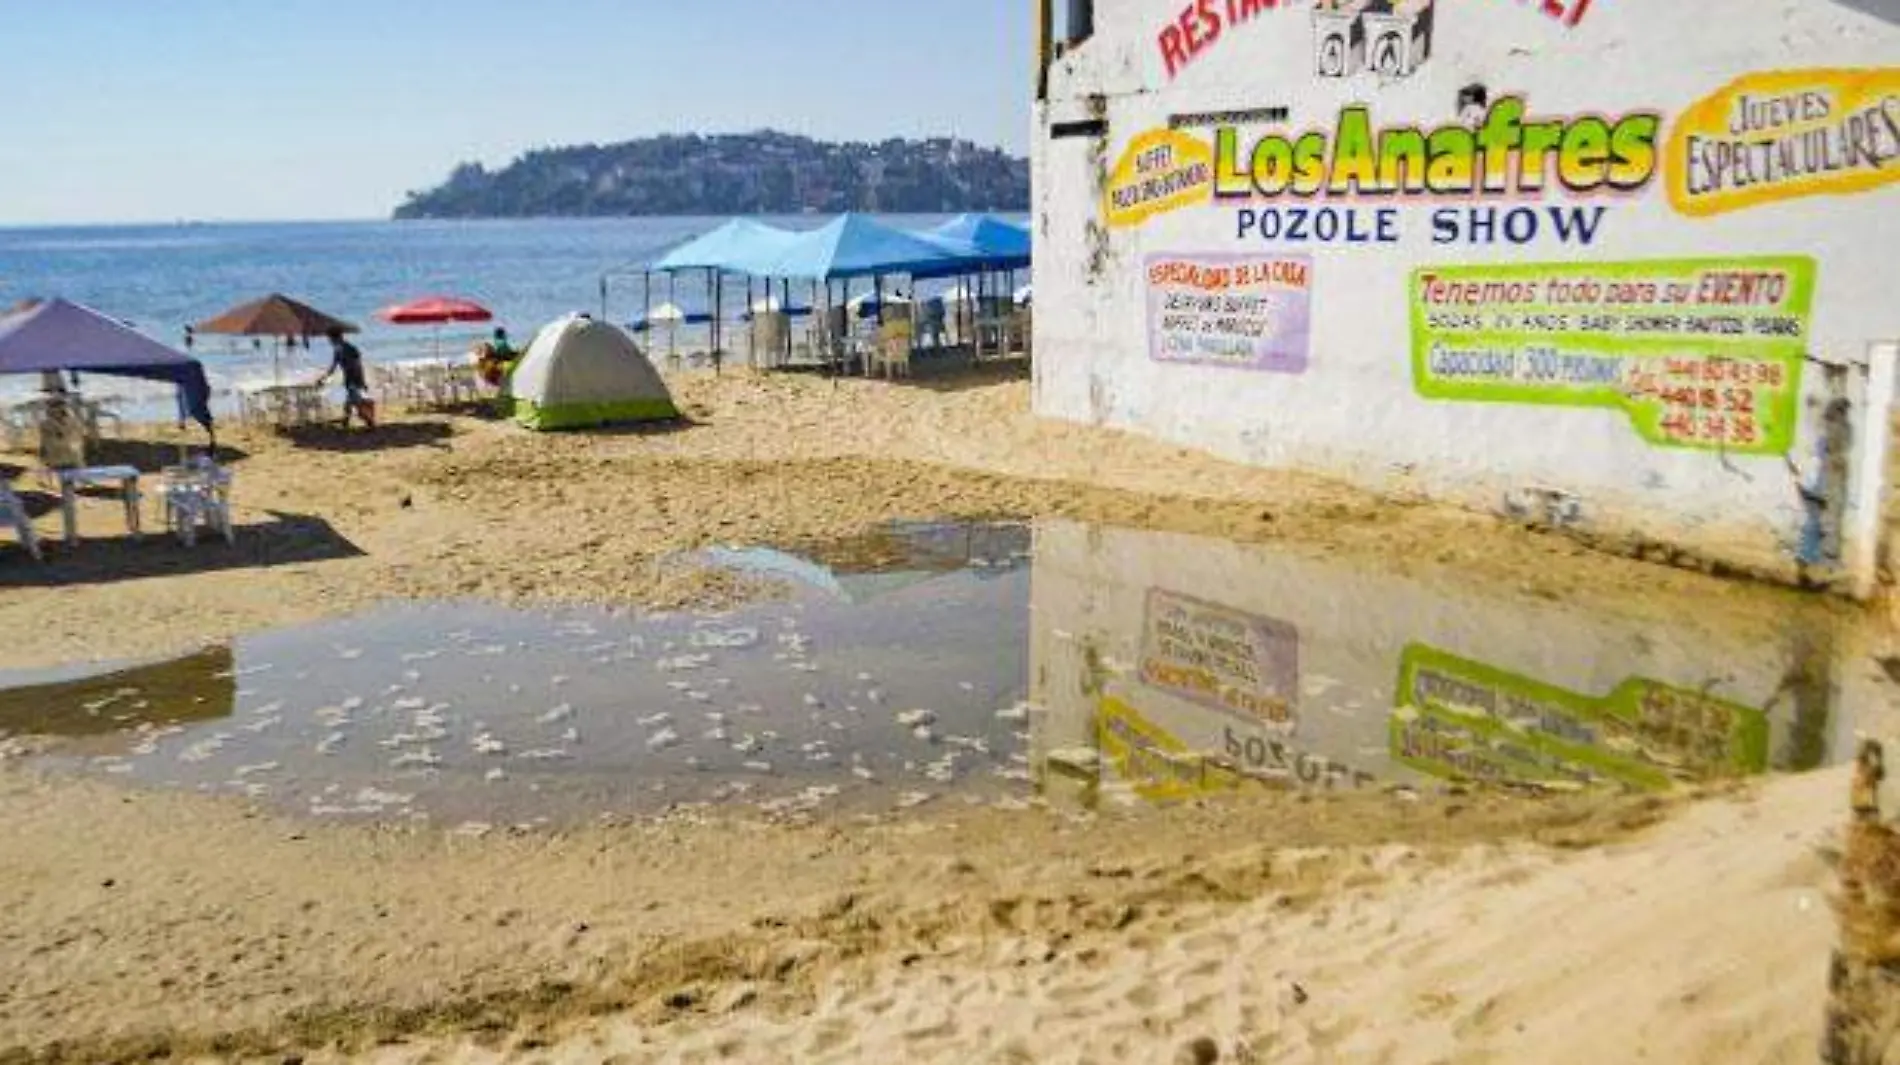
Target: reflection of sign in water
[
  {"x": 1390, "y": 38},
  {"x": 1153, "y": 761},
  {"x": 1462, "y": 719},
  {"x": 1783, "y": 135},
  {"x": 1160, "y": 170},
  {"x": 1247, "y": 312},
  {"x": 1700, "y": 353},
  {"x": 1220, "y": 657}
]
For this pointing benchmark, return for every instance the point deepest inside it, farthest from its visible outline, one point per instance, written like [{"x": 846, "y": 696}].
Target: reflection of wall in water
[{"x": 1092, "y": 609}]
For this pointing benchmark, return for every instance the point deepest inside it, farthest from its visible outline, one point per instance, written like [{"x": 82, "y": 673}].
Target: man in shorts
[{"x": 355, "y": 384}]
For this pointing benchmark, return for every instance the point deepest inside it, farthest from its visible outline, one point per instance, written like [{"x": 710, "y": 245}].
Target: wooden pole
[
  {"x": 752, "y": 324},
  {"x": 1045, "y": 45}
]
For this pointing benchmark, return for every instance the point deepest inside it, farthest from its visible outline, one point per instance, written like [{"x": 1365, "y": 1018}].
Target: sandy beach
[{"x": 1278, "y": 927}]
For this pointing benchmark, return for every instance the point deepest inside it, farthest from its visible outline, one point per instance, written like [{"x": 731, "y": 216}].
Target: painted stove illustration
[{"x": 1389, "y": 38}]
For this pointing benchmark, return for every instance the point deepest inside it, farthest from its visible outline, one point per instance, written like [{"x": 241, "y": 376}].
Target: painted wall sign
[
  {"x": 1568, "y": 12},
  {"x": 1245, "y": 312},
  {"x": 1782, "y": 135},
  {"x": 1459, "y": 718},
  {"x": 1154, "y": 762},
  {"x": 1508, "y": 152},
  {"x": 1340, "y": 185},
  {"x": 1195, "y": 27},
  {"x": 1387, "y": 38},
  {"x": 1159, "y": 171},
  {"x": 1221, "y": 658},
  {"x": 1701, "y": 353}
]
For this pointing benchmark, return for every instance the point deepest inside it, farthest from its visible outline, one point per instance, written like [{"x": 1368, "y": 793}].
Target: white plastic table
[{"x": 72, "y": 480}]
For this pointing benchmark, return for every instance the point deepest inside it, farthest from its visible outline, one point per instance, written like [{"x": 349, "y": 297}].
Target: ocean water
[{"x": 160, "y": 278}]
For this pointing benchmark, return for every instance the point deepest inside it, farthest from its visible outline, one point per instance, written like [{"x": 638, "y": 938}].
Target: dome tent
[{"x": 580, "y": 373}]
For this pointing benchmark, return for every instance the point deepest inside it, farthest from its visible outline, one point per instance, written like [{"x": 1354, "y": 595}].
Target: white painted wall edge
[{"x": 1867, "y": 503}]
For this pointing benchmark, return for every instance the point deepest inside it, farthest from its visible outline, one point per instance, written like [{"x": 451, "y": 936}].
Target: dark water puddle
[{"x": 959, "y": 662}]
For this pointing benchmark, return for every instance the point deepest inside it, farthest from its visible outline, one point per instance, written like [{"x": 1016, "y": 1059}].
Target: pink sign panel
[{"x": 1245, "y": 312}]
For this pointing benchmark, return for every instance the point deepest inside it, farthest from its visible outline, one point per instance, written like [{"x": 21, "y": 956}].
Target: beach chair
[
  {"x": 1022, "y": 329},
  {"x": 194, "y": 495},
  {"x": 838, "y": 339},
  {"x": 891, "y": 354},
  {"x": 13, "y": 512},
  {"x": 774, "y": 329},
  {"x": 62, "y": 433},
  {"x": 931, "y": 332},
  {"x": 16, "y": 427},
  {"x": 97, "y": 412}
]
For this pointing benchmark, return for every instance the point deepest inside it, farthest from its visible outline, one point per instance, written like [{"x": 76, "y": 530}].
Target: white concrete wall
[
  {"x": 1352, "y": 630},
  {"x": 1354, "y": 409}
]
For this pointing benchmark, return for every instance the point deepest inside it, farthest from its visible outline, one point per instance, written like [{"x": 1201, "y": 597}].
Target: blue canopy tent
[
  {"x": 58, "y": 336},
  {"x": 856, "y": 246},
  {"x": 999, "y": 245},
  {"x": 741, "y": 246}
]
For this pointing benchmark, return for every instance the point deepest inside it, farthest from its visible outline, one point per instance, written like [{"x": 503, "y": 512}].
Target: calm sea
[{"x": 528, "y": 272}]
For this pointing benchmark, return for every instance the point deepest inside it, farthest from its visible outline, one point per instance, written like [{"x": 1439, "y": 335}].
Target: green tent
[{"x": 580, "y": 373}]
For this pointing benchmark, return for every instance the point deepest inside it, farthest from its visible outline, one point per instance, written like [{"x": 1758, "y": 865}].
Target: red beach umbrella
[{"x": 435, "y": 310}]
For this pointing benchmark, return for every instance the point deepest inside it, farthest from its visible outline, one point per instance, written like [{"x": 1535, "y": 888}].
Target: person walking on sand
[{"x": 355, "y": 384}]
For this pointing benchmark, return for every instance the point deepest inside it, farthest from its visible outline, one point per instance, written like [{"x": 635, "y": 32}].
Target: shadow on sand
[
  {"x": 284, "y": 540},
  {"x": 945, "y": 372},
  {"x": 389, "y": 436}
]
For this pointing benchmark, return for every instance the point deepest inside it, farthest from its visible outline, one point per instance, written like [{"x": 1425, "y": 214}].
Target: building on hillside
[{"x": 1614, "y": 266}]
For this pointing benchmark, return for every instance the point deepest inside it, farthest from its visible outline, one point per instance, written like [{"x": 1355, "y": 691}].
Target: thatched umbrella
[{"x": 276, "y": 316}]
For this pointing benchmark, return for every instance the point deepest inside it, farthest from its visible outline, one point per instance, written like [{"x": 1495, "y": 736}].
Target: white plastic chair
[
  {"x": 197, "y": 494},
  {"x": 16, "y": 427},
  {"x": 13, "y": 512}
]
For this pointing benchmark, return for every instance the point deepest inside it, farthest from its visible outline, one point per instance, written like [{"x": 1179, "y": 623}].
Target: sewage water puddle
[{"x": 954, "y": 662}]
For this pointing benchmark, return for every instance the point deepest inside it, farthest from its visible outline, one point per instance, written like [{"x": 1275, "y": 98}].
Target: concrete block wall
[{"x": 1620, "y": 266}]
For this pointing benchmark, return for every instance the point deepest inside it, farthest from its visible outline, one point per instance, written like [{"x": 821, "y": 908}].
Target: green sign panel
[
  {"x": 1704, "y": 354},
  {"x": 1460, "y": 719}
]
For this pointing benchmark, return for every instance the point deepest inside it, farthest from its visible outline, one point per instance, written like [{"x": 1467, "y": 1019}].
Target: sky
[{"x": 216, "y": 110}]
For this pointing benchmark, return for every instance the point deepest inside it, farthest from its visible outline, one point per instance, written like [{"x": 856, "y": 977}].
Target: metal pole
[
  {"x": 752, "y": 324},
  {"x": 673, "y": 324},
  {"x": 877, "y": 338},
  {"x": 719, "y": 310},
  {"x": 603, "y": 297}
]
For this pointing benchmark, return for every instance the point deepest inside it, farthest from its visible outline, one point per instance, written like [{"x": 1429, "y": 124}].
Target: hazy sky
[{"x": 155, "y": 110}]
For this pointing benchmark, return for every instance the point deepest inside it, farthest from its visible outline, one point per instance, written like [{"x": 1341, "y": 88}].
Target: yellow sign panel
[
  {"x": 1160, "y": 171},
  {"x": 1783, "y": 135}
]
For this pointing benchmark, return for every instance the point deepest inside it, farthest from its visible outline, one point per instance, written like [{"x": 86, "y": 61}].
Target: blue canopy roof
[
  {"x": 855, "y": 245},
  {"x": 58, "y": 335},
  {"x": 1000, "y": 245},
  {"x": 741, "y": 246}
]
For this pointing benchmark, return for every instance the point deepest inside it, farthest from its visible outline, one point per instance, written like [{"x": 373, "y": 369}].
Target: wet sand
[
  {"x": 1278, "y": 928},
  {"x": 453, "y": 507}
]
